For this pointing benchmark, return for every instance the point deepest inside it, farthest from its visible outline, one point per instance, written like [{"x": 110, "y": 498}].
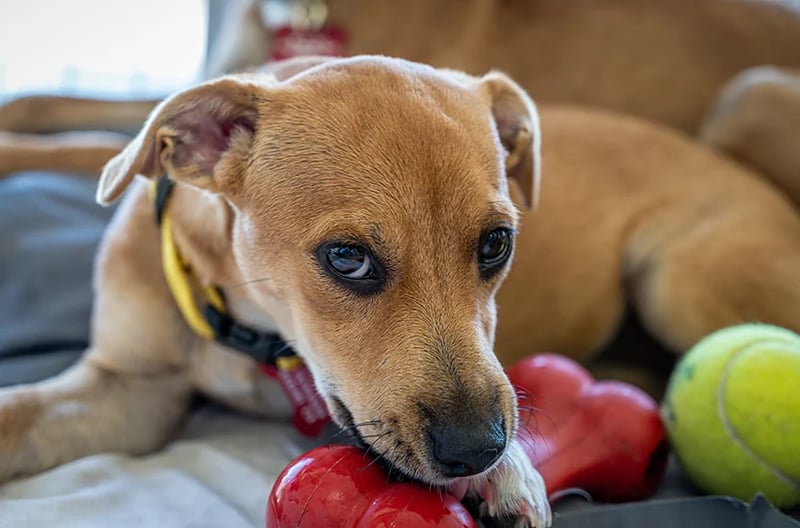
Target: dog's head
[{"x": 373, "y": 193}]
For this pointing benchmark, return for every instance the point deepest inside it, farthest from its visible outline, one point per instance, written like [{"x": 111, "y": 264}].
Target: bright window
[{"x": 138, "y": 48}]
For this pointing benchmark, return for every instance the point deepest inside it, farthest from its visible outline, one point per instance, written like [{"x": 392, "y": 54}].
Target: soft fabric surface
[
  {"x": 219, "y": 473},
  {"x": 49, "y": 229}
]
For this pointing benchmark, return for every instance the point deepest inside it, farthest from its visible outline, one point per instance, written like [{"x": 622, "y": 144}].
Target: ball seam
[{"x": 731, "y": 430}]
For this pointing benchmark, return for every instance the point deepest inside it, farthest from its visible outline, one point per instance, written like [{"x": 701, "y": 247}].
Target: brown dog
[
  {"x": 361, "y": 209},
  {"x": 371, "y": 231}
]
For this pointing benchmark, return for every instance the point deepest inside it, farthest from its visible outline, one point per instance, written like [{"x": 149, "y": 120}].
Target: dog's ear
[
  {"x": 517, "y": 124},
  {"x": 191, "y": 136}
]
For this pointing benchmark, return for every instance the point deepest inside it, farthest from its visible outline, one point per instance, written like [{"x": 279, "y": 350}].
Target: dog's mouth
[
  {"x": 379, "y": 439},
  {"x": 348, "y": 424},
  {"x": 368, "y": 441}
]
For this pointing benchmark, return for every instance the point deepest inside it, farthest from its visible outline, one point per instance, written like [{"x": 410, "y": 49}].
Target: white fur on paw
[{"x": 513, "y": 491}]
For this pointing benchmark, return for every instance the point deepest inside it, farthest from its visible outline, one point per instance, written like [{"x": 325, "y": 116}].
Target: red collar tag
[
  {"x": 289, "y": 41},
  {"x": 310, "y": 413}
]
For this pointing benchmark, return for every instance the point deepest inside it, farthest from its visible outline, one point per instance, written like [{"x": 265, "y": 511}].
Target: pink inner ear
[
  {"x": 508, "y": 123},
  {"x": 203, "y": 137}
]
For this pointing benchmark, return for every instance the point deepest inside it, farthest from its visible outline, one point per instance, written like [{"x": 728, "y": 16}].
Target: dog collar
[{"x": 275, "y": 357}]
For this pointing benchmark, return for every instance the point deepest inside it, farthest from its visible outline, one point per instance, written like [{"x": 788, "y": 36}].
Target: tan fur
[
  {"x": 638, "y": 212},
  {"x": 757, "y": 120},
  {"x": 83, "y": 153},
  {"x": 665, "y": 61},
  {"x": 42, "y": 113}
]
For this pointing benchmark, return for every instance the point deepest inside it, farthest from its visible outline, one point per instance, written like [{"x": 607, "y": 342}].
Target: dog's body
[
  {"x": 664, "y": 61},
  {"x": 409, "y": 164},
  {"x": 644, "y": 216}
]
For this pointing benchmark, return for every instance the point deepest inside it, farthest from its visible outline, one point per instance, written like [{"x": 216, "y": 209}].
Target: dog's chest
[
  {"x": 247, "y": 313},
  {"x": 233, "y": 378}
]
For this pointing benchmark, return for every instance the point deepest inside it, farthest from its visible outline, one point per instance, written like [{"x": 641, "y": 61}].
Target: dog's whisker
[
  {"x": 353, "y": 429},
  {"x": 531, "y": 423},
  {"x": 248, "y": 282},
  {"x": 536, "y": 412},
  {"x": 378, "y": 457},
  {"x": 525, "y": 417},
  {"x": 369, "y": 422},
  {"x": 362, "y": 424},
  {"x": 530, "y": 412},
  {"x": 523, "y": 393},
  {"x": 344, "y": 434},
  {"x": 376, "y": 436},
  {"x": 348, "y": 432},
  {"x": 285, "y": 347},
  {"x": 359, "y": 436},
  {"x": 535, "y": 437}
]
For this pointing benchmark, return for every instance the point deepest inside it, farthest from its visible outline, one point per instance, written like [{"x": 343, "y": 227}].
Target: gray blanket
[{"x": 49, "y": 230}]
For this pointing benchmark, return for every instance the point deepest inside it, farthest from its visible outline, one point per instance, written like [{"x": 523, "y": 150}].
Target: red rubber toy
[
  {"x": 339, "y": 487},
  {"x": 606, "y": 438}
]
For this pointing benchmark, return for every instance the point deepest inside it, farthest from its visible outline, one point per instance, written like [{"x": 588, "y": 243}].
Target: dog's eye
[
  {"x": 351, "y": 262},
  {"x": 353, "y": 266},
  {"x": 494, "y": 249}
]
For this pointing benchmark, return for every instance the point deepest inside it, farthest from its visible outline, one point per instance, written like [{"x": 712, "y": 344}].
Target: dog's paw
[{"x": 512, "y": 495}]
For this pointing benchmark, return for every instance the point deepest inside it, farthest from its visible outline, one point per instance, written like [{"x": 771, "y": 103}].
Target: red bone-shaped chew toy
[
  {"x": 338, "y": 487},
  {"x": 604, "y": 437}
]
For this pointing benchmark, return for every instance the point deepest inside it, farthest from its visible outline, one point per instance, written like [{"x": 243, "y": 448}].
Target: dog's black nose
[{"x": 464, "y": 451}]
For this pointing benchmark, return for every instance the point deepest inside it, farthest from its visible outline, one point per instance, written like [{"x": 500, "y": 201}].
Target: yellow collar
[
  {"x": 275, "y": 357},
  {"x": 212, "y": 322},
  {"x": 182, "y": 283}
]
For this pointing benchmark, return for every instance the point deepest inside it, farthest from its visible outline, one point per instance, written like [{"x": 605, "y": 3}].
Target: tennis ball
[{"x": 732, "y": 411}]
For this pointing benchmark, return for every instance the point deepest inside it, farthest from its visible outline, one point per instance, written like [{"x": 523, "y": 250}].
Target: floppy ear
[
  {"x": 518, "y": 126},
  {"x": 190, "y": 137}
]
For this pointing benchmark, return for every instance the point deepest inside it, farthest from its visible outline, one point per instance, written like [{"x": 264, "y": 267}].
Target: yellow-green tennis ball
[{"x": 732, "y": 409}]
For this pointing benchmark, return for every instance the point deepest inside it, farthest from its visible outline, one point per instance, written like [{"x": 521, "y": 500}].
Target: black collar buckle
[{"x": 263, "y": 347}]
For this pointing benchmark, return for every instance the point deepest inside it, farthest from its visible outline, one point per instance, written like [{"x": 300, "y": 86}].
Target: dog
[
  {"x": 375, "y": 233},
  {"x": 305, "y": 209}
]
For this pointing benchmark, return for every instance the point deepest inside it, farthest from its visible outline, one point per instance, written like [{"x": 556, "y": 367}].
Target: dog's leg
[
  {"x": 38, "y": 114},
  {"x": 756, "y": 119},
  {"x": 718, "y": 270},
  {"x": 132, "y": 388},
  {"x": 85, "y": 410},
  {"x": 512, "y": 494},
  {"x": 78, "y": 150},
  {"x": 82, "y": 153}
]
